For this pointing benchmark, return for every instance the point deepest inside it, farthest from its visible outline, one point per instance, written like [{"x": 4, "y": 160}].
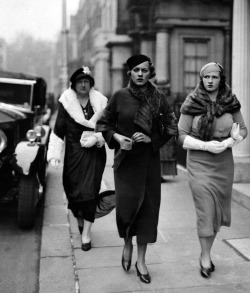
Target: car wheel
[{"x": 27, "y": 197}]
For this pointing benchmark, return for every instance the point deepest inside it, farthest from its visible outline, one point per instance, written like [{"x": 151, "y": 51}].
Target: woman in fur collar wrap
[
  {"x": 210, "y": 125},
  {"x": 79, "y": 108}
]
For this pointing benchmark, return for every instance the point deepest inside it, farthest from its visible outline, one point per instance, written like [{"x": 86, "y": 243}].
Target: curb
[{"x": 57, "y": 263}]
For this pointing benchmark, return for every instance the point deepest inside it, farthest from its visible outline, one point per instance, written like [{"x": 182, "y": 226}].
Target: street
[{"x": 19, "y": 252}]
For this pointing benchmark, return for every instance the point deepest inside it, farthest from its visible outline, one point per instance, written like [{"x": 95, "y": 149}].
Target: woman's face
[
  {"x": 83, "y": 86},
  {"x": 140, "y": 74},
  {"x": 211, "y": 81}
]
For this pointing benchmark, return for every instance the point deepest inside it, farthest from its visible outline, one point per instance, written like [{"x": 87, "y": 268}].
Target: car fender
[
  {"x": 29, "y": 158},
  {"x": 26, "y": 156}
]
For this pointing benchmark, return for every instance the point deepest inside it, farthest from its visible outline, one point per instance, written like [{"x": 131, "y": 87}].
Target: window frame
[{"x": 196, "y": 41}]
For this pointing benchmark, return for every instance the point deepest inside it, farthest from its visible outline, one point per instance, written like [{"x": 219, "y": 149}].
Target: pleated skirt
[{"x": 210, "y": 179}]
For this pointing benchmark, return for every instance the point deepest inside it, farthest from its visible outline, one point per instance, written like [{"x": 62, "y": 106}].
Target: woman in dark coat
[
  {"x": 85, "y": 156},
  {"x": 210, "y": 124},
  {"x": 136, "y": 123}
]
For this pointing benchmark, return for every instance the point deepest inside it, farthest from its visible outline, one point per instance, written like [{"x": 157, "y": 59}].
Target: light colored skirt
[{"x": 210, "y": 180}]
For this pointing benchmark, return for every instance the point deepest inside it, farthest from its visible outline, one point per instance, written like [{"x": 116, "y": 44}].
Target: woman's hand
[
  {"x": 124, "y": 141},
  {"x": 141, "y": 137},
  {"x": 215, "y": 147},
  {"x": 229, "y": 142},
  {"x": 88, "y": 142},
  {"x": 235, "y": 134},
  {"x": 235, "y": 131}
]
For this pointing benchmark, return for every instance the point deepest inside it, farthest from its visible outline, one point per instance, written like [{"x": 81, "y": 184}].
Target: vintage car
[{"x": 23, "y": 143}]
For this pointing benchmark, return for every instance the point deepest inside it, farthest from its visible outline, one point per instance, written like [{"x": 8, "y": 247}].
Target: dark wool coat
[
  {"x": 138, "y": 177},
  {"x": 83, "y": 167}
]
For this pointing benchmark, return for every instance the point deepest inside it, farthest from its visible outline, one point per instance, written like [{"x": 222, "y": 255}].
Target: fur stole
[
  {"x": 199, "y": 103},
  {"x": 72, "y": 105},
  {"x": 149, "y": 105}
]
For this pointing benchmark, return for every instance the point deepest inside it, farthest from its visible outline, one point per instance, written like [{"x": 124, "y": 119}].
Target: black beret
[{"x": 136, "y": 60}]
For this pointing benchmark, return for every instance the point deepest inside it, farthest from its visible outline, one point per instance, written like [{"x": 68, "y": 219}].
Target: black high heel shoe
[
  {"x": 126, "y": 267},
  {"x": 145, "y": 278},
  {"x": 205, "y": 272},
  {"x": 86, "y": 246}
]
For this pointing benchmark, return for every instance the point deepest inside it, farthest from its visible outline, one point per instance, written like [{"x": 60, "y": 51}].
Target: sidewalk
[{"x": 172, "y": 261}]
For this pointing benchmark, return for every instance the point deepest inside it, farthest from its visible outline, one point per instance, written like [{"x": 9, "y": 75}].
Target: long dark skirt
[
  {"x": 82, "y": 175},
  {"x": 85, "y": 209}
]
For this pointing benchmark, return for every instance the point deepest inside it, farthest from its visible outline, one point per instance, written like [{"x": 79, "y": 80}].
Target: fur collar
[
  {"x": 199, "y": 103},
  {"x": 72, "y": 105}
]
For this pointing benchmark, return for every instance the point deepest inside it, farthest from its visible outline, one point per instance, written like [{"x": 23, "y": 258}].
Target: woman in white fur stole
[{"x": 79, "y": 108}]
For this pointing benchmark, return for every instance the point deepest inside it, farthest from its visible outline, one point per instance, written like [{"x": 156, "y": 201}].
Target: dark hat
[
  {"x": 136, "y": 60},
  {"x": 81, "y": 73}
]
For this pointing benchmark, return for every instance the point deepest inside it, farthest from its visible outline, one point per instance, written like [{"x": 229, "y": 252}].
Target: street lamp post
[{"x": 64, "y": 66}]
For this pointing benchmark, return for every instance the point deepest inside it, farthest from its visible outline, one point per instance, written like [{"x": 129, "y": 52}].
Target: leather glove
[
  {"x": 88, "y": 142},
  {"x": 215, "y": 147},
  {"x": 54, "y": 163}
]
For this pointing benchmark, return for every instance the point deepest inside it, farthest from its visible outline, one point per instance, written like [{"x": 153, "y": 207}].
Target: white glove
[
  {"x": 88, "y": 142},
  {"x": 191, "y": 143},
  {"x": 235, "y": 133},
  {"x": 100, "y": 140},
  {"x": 229, "y": 142},
  {"x": 238, "y": 140},
  {"x": 54, "y": 163},
  {"x": 215, "y": 146}
]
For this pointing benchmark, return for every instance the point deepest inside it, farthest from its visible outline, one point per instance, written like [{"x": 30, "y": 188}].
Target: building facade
[
  {"x": 241, "y": 82},
  {"x": 99, "y": 40},
  {"x": 180, "y": 36},
  {"x": 3, "y": 54}
]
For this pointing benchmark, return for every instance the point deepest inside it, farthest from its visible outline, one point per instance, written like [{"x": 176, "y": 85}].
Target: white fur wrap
[{"x": 72, "y": 105}]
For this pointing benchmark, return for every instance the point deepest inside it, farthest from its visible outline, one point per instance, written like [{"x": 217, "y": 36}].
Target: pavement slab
[
  {"x": 242, "y": 246},
  {"x": 108, "y": 279},
  {"x": 56, "y": 275}
]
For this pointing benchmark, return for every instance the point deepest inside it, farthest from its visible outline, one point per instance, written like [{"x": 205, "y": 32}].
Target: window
[{"x": 195, "y": 56}]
